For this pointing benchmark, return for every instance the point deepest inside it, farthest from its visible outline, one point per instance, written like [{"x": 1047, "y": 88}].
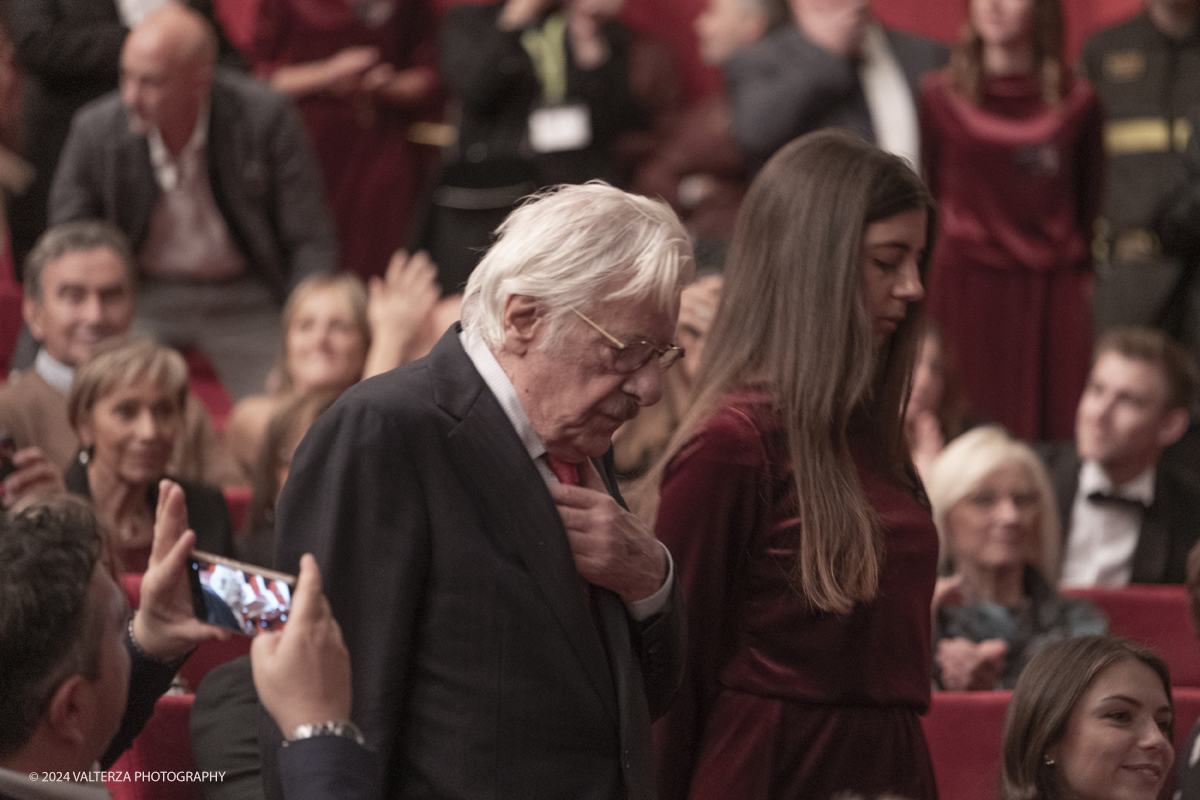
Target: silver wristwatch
[{"x": 347, "y": 730}]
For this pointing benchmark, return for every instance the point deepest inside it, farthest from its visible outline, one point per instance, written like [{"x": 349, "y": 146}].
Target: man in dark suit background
[
  {"x": 834, "y": 67},
  {"x": 1128, "y": 516},
  {"x": 511, "y": 636}
]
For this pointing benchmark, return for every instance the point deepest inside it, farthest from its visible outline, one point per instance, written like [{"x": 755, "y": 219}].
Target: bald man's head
[{"x": 166, "y": 68}]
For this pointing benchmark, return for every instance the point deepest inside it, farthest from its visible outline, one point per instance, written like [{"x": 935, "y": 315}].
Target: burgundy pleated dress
[
  {"x": 373, "y": 173},
  {"x": 780, "y": 700},
  {"x": 1020, "y": 186}
]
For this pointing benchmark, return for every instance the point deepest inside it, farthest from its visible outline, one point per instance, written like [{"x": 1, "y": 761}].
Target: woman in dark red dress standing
[
  {"x": 1012, "y": 146},
  {"x": 362, "y": 72},
  {"x": 789, "y": 502}
]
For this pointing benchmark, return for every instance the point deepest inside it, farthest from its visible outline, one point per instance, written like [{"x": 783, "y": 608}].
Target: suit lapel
[
  {"x": 137, "y": 197},
  {"x": 1150, "y": 557},
  {"x": 495, "y": 468}
]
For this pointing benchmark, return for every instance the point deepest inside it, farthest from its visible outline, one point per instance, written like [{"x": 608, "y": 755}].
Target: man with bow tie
[{"x": 1128, "y": 516}]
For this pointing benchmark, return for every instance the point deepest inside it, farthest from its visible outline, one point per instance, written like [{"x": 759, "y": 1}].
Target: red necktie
[{"x": 565, "y": 472}]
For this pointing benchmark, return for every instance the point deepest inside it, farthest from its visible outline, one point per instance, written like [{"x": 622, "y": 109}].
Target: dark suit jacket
[
  {"x": 784, "y": 86},
  {"x": 478, "y": 669},
  {"x": 264, "y": 178},
  {"x": 1169, "y": 527}
]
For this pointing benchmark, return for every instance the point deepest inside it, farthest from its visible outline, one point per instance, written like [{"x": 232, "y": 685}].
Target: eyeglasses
[{"x": 632, "y": 356}]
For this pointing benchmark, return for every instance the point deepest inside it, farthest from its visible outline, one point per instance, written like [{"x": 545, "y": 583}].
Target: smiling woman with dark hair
[{"x": 1090, "y": 719}]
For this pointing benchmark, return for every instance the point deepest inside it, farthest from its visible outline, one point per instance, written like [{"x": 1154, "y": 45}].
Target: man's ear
[
  {"x": 524, "y": 319},
  {"x": 68, "y": 716},
  {"x": 34, "y": 313},
  {"x": 1173, "y": 426}
]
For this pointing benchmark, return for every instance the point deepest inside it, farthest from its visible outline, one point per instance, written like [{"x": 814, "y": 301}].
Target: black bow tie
[{"x": 1116, "y": 499}]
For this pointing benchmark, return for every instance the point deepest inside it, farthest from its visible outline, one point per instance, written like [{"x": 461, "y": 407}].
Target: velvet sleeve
[
  {"x": 930, "y": 134},
  {"x": 711, "y": 502},
  {"x": 354, "y": 500}
]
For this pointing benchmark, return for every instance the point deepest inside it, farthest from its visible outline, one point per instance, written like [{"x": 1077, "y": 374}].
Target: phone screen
[{"x": 242, "y": 597}]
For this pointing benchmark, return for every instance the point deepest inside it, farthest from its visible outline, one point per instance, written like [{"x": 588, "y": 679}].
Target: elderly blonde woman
[
  {"x": 994, "y": 510},
  {"x": 126, "y": 405}
]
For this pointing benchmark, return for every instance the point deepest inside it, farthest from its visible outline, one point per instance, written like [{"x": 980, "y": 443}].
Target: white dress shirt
[
  {"x": 497, "y": 381},
  {"x": 188, "y": 238},
  {"x": 1104, "y": 535},
  {"x": 889, "y": 98},
  {"x": 53, "y": 371}
]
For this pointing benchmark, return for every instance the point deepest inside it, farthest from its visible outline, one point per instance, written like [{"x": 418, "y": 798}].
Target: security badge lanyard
[{"x": 555, "y": 125}]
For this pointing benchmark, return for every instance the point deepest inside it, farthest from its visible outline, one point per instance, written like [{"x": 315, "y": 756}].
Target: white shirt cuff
[{"x": 649, "y": 606}]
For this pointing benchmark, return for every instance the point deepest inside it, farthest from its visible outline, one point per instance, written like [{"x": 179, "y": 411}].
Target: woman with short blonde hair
[
  {"x": 999, "y": 531},
  {"x": 126, "y": 405}
]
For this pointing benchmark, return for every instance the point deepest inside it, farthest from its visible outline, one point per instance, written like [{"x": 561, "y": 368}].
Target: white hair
[
  {"x": 578, "y": 247},
  {"x": 967, "y": 462}
]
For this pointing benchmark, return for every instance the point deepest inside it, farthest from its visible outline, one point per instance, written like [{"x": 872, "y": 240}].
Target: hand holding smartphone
[{"x": 242, "y": 597}]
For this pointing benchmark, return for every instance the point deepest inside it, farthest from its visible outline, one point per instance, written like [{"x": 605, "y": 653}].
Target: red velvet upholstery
[
  {"x": 964, "y": 730},
  {"x": 212, "y": 654},
  {"x": 205, "y": 384},
  {"x": 163, "y": 746},
  {"x": 1159, "y": 617},
  {"x": 131, "y": 582},
  {"x": 238, "y": 500}
]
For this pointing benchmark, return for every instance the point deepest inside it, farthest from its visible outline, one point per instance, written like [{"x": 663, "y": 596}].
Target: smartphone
[
  {"x": 242, "y": 597},
  {"x": 8, "y": 449}
]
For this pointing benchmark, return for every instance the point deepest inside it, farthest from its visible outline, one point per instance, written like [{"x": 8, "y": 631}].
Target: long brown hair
[
  {"x": 1046, "y": 32},
  {"x": 1046, "y": 694},
  {"x": 792, "y": 315}
]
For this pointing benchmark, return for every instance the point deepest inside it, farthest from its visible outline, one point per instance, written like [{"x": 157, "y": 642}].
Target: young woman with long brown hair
[
  {"x": 1012, "y": 150},
  {"x": 789, "y": 502}
]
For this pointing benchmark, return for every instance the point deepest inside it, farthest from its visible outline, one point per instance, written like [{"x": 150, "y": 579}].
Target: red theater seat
[
  {"x": 205, "y": 384},
  {"x": 238, "y": 500},
  {"x": 964, "y": 732},
  {"x": 163, "y": 746},
  {"x": 1159, "y": 617}
]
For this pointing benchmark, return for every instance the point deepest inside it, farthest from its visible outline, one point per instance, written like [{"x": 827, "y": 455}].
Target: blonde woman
[{"x": 998, "y": 524}]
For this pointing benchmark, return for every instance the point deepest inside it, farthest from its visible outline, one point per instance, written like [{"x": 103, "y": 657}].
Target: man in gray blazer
[
  {"x": 210, "y": 175},
  {"x": 834, "y": 67}
]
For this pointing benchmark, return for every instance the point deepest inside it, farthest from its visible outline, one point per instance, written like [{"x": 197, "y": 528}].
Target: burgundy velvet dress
[
  {"x": 780, "y": 701},
  {"x": 1019, "y": 186},
  {"x": 372, "y": 172}
]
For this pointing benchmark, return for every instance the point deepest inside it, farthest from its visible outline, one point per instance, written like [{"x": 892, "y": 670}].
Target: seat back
[
  {"x": 163, "y": 746},
  {"x": 964, "y": 732},
  {"x": 1158, "y": 616}
]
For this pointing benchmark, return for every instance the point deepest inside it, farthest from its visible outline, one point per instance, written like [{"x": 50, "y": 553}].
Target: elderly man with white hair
[{"x": 512, "y": 635}]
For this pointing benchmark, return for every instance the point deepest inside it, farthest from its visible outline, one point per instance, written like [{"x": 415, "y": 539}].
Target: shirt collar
[
  {"x": 167, "y": 169},
  {"x": 506, "y": 394},
  {"x": 1092, "y": 479},
  {"x": 53, "y": 371}
]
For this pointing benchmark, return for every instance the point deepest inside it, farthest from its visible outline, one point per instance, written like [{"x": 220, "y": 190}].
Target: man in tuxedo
[
  {"x": 511, "y": 635},
  {"x": 1128, "y": 516}
]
